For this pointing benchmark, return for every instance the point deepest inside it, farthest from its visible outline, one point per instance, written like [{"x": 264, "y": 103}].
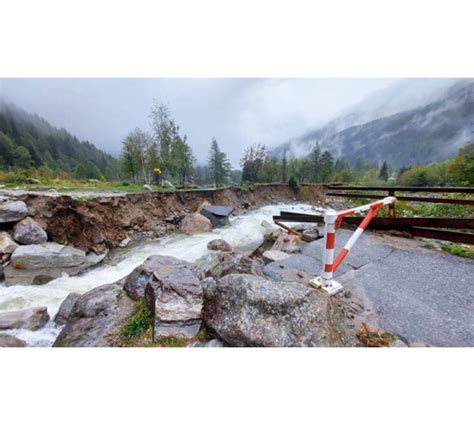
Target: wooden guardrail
[{"x": 428, "y": 227}]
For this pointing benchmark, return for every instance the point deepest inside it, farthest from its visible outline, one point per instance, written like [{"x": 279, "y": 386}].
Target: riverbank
[
  {"x": 100, "y": 222},
  {"x": 245, "y": 234}
]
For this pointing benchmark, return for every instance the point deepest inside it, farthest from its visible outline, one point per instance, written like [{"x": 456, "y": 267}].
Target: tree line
[
  {"x": 28, "y": 142},
  {"x": 166, "y": 155}
]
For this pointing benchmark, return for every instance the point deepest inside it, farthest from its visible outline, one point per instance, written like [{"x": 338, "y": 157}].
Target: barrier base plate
[{"x": 330, "y": 286}]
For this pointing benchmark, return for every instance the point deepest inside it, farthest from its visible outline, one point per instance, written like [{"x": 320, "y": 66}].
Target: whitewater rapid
[{"x": 245, "y": 233}]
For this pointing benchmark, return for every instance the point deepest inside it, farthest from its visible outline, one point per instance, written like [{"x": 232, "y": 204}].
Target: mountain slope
[
  {"x": 27, "y": 140},
  {"x": 431, "y": 132}
]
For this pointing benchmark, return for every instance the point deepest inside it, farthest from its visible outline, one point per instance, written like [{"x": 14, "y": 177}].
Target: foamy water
[{"x": 245, "y": 234}]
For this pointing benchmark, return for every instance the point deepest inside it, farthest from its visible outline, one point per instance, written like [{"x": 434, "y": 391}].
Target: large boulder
[
  {"x": 7, "y": 245},
  {"x": 244, "y": 310},
  {"x": 194, "y": 224},
  {"x": 41, "y": 263},
  {"x": 219, "y": 245},
  {"x": 66, "y": 308},
  {"x": 97, "y": 317},
  {"x": 234, "y": 263},
  {"x": 12, "y": 211},
  {"x": 28, "y": 231},
  {"x": 11, "y": 342},
  {"x": 177, "y": 293},
  {"x": 31, "y": 318}
]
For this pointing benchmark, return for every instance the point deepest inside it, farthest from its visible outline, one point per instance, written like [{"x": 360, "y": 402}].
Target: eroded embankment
[{"x": 103, "y": 222}]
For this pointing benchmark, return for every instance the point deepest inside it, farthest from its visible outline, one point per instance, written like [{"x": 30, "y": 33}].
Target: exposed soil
[{"x": 103, "y": 222}]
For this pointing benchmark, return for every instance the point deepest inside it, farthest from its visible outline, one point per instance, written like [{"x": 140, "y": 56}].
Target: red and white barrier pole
[{"x": 330, "y": 265}]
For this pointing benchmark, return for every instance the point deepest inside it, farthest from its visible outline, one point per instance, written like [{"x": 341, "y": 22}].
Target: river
[{"x": 245, "y": 233}]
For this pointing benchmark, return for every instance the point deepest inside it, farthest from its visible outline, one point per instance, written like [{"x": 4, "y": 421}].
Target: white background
[{"x": 236, "y": 39}]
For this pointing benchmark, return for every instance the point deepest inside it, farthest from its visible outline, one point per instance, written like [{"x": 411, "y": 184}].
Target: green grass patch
[
  {"x": 138, "y": 324},
  {"x": 172, "y": 341},
  {"x": 458, "y": 250}
]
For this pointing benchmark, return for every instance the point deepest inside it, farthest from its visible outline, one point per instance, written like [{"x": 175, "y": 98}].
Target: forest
[{"x": 33, "y": 150}]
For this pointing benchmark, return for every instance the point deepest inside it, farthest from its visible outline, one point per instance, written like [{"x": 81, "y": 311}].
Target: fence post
[{"x": 326, "y": 280}]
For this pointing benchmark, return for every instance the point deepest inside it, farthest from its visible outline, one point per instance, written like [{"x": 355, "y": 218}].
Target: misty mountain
[
  {"x": 27, "y": 140},
  {"x": 438, "y": 123}
]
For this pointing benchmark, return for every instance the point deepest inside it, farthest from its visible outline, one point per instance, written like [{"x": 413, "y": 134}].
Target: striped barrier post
[{"x": 332, "y": 221}]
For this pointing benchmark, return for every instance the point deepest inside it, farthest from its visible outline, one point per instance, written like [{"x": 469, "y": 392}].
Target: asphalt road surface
[{"x": 422, "y": 295}]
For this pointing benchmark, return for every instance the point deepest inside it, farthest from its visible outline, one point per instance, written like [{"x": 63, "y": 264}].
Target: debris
[
  {"x": 374, "y": 338},
  {"x": 218, "y": 215}
]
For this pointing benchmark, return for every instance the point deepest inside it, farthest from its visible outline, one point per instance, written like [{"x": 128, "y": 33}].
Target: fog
[{"x": 237, "y": 112}]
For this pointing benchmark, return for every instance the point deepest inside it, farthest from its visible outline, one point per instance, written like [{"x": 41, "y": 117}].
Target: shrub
[{"x": 293, "y": 183}]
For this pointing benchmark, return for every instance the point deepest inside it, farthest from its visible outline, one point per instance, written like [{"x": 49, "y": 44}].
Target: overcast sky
[{"x": 238, "y": 112}]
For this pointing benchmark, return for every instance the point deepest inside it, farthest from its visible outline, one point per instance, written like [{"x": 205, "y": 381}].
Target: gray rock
[
  {"x": 187, "y": 329},
  {"x": 28, "y": 231},
  {"x": 31, "y": 318},
  {"x": 125, "y": 242},
  {"x": 41, "y": 263},
  {"x": 244, "y": 310},
  {"x": 166, "y": 184},
  {"x": 7, "y": 245},
  {"x": 177, "y": 292},
  {"x": 65, "y": 309},
  {"x": 274, "y": 255},
  {"x": 271, "y": 229},
  {"x": 12, "y": 211},
  {"x": 194, "y": 224},
  {"x": 219, "y": 245},
  {"x": 147, "y": 187},
  {"x": 234, "y": 263},
  {"x": 97, "y": 318},
  {"x": 11, "y": 342},
  {"x": 288, "y": 243},
  {"x": 298, "y": 267},
  {"x": 398, "y": 343},
  {"x": 310, "y": 234},
  {"x": 214, "y": 343}
]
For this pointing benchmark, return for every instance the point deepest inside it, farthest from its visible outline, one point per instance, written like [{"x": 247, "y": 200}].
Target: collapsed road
[{"x": 423, "y": 296}]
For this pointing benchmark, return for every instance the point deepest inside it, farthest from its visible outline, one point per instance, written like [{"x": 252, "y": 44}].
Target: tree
[
  {"x": 299, "y": 169},
  {"x": 130, "y": 158},
  {"x": 269, "y": 172},
  {"x": 139, "y": 155},
  {"x": 384, "y": 171},
  {"x": 21, "y": 158},
  {"x": 165, "y": 132},
  {"x": 284, "y": 167},
  {"x": 326, "y": 166},
  {"x": 252, "y": 161},
  {"x": 315, "y": 163},
  {"x": 218, "y": 165},
  {"x": 183, "y": 159}
]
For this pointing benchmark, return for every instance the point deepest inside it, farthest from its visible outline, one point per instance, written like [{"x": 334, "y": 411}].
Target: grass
[
  {"x": 138, "y": 332},
  {"x": 418, "y": 209},
  {"x": 138, "y": 325},
  {"x": 374, "y": 338},
  {"x": 458, "y": 250},
  {"x": 172, "y": 342}
]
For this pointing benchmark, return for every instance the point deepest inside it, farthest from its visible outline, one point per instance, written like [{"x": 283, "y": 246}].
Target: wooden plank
[
  {"x": 445, "y": 189},
  {"x": 406, "y": 198},
  {"x": 386, "y": 222},
  {"x": 441, "y": 234}
]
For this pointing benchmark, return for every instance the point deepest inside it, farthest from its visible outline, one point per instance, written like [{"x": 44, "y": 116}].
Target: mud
[{"x": 103, "y": 222}]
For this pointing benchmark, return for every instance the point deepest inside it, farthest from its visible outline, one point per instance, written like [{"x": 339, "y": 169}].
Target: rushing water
[{"x": 245, "y": 234}]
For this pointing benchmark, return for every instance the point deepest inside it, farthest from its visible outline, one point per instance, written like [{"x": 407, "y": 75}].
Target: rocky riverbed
[{"x": 244, "y": 234}]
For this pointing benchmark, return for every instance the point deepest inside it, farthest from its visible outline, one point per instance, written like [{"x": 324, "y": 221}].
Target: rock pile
[{"x": 26, "y": 256}]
